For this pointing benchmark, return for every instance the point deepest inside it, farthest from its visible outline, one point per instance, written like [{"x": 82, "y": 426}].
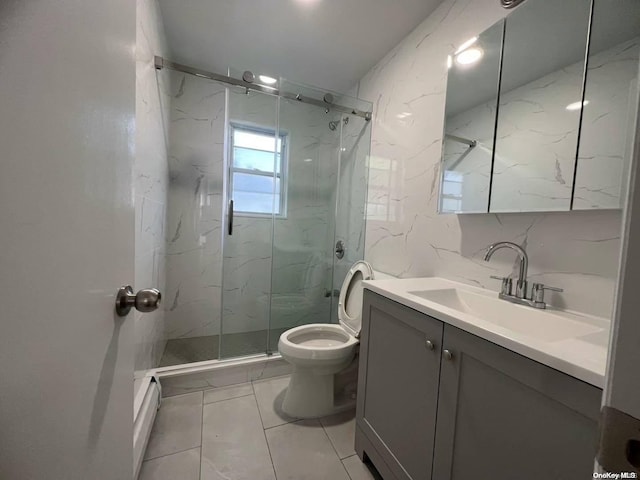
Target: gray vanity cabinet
[
  {"x": 399, "y": 374},
  {"x": 504, "y": 416},
  {"x": 468, "y": 409}
]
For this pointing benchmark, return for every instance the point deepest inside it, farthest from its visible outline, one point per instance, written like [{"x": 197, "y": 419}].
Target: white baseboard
[{"x": 145, "y": 416}]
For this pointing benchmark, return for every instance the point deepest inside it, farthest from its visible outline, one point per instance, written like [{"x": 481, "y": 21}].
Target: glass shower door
[
  {"x": 351, "y": 197},
  {"x": 326, "y": 197},
  {"x": 252, "y": 198},
  {"x": 304, "y": 231}
]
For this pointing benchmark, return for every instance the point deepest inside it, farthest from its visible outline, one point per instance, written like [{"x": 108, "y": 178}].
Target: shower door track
[
  {"x": 211, "y": 365},
  {"x": 161, "y": 63}
]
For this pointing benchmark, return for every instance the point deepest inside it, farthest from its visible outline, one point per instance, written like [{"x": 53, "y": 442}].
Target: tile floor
[{"x": 240, "y": 433}]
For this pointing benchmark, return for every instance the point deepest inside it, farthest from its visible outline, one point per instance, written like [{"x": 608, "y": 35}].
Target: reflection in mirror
[
  {"x": 606, "y": 134},
  {"x": 472, "y": 90},
  {"x": 537, "y": 131}
]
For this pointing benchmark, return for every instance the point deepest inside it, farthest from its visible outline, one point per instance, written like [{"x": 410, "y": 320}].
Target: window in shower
[{"x": 257, "y": 171}]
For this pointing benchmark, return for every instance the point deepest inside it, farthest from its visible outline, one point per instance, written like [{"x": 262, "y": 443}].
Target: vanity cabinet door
[
  {"x": 504, "y": 416},
  {"x": 397, "y": 388}
]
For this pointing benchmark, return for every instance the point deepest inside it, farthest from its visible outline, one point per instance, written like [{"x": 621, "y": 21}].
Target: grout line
[
  {"x": 345, "y": 469},
  {"x": 169, "y": 454},
  {"x": 332, "y": 445},
  {"x": 230, "y": 398},
  {"x": 266, "y": 379},
  {"x": 288, "y": 422},
  {"x": 264, "y": 433}
]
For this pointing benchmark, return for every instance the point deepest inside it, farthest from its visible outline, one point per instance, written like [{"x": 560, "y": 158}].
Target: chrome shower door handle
[
  {"x": 339, "y": 249},
  {"x": 146, "y": 300},
  {"x": 230, "y": 227}
]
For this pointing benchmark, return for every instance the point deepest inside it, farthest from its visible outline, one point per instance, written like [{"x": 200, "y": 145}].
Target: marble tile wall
[
  {"x": 405, "y": 236},
  {"x": 150, "y": 182},
  {"x": 607, "y": 135}
]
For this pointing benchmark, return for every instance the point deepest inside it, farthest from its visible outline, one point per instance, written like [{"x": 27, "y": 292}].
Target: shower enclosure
[{"x": 263, "y": 183}]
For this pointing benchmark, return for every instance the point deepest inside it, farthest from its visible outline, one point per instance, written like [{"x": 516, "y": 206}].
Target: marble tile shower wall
[
  {"x": 150, "y": 182},
  {"x": 406, "y": 237},
  {"x": 545, "y": 171}
]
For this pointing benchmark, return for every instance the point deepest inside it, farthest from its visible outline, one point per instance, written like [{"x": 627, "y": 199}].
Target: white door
[
  {"x": 67, "y": 80},
  {"x": 621, "y": 401}
]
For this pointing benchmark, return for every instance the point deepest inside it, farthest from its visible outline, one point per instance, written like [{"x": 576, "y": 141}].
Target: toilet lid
[{"x": 350, "y": 302}]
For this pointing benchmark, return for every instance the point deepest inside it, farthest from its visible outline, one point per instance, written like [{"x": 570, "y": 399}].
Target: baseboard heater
[{"x": 145, "y": 414}]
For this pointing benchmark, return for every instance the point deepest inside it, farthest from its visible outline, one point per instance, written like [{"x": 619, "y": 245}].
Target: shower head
[{"x": 334, "y": 124}]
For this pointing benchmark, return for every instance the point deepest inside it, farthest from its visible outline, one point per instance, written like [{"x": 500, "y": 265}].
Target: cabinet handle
[
  {"x": 447, "y": 354},
  {"x": 429, "y": 344}
]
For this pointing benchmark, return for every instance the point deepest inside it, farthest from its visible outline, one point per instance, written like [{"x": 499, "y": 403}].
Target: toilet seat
[
  {"x": 350, "y": 300},
  {"x": 316, "y": 342}
]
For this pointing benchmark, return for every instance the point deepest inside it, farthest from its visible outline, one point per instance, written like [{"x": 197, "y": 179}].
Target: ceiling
[{"x": 330, "y": 44}]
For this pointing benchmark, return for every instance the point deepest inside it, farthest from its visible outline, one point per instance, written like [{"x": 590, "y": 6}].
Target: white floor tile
[
  {"x": 270, "y": 369},
  {"x": 204, "y": 380},
  {"x": 233, "y": 442},
  {"x": 269, "y": 394},
  {"x": 177, "y": 427},
  {"x": 184, "y": 466},
  {"x": 225, "y": 393},
  {"x": 302, "y": 451},
  {"x": 358, "y": 470},
  {"x": 341, "y": 430}
]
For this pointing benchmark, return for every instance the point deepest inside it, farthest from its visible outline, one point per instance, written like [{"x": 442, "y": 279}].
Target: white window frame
[
  {"x": 449, "y": 196},
  {"x": 283, "y": 175}
]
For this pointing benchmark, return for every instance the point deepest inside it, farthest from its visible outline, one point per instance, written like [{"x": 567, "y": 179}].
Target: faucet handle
[
  {"x": 507, "y": 283},
  {"x": 537, "y": 291}
]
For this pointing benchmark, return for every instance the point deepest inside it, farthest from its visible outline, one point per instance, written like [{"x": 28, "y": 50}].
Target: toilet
[{"x": 320, "y": 350}]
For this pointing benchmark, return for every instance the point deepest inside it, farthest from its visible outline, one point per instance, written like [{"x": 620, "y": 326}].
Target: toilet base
[{"x": 308, "y": 395}]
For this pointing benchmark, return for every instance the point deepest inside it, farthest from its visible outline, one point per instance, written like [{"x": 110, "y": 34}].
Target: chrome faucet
[
  {"x": 521, "y": 284},
  {"x": 537, "y": 292}
]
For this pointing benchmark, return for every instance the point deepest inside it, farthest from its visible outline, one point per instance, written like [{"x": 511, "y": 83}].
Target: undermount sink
[{"x": 544, "y": 325}]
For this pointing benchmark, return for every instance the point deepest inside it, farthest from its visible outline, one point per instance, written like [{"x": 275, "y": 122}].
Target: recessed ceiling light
[
  {"x": 404, "y": 115},
  {"x": 449, "y": 62},
  {"x": 466, "y": 45},
  {"x": 268, "y": 80},
  {"x": 576, "y": 105},
  {"x": 469, "y": 56},
  {"x": 308, "y": 160}
]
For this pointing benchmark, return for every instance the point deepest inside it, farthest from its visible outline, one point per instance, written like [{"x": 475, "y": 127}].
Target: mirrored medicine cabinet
[{"x": 539, "y": 110}]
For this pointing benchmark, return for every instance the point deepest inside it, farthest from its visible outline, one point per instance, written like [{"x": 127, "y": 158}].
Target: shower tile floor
[
  {"x": 199, "y": 349},
  {"x": 240, "y": 433}
]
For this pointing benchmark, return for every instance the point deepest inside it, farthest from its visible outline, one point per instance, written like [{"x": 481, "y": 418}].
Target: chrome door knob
[
  {"x": 430, "y": 345},
  {"x": 146, "y": 300},
  {"x": 447, "y": 354}
]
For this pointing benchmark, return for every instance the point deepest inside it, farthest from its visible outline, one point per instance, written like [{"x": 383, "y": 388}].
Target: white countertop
[{"x": 582, "y": 356}]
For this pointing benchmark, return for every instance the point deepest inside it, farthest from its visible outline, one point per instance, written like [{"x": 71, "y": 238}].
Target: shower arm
[{"x": 466, "y": 141}]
